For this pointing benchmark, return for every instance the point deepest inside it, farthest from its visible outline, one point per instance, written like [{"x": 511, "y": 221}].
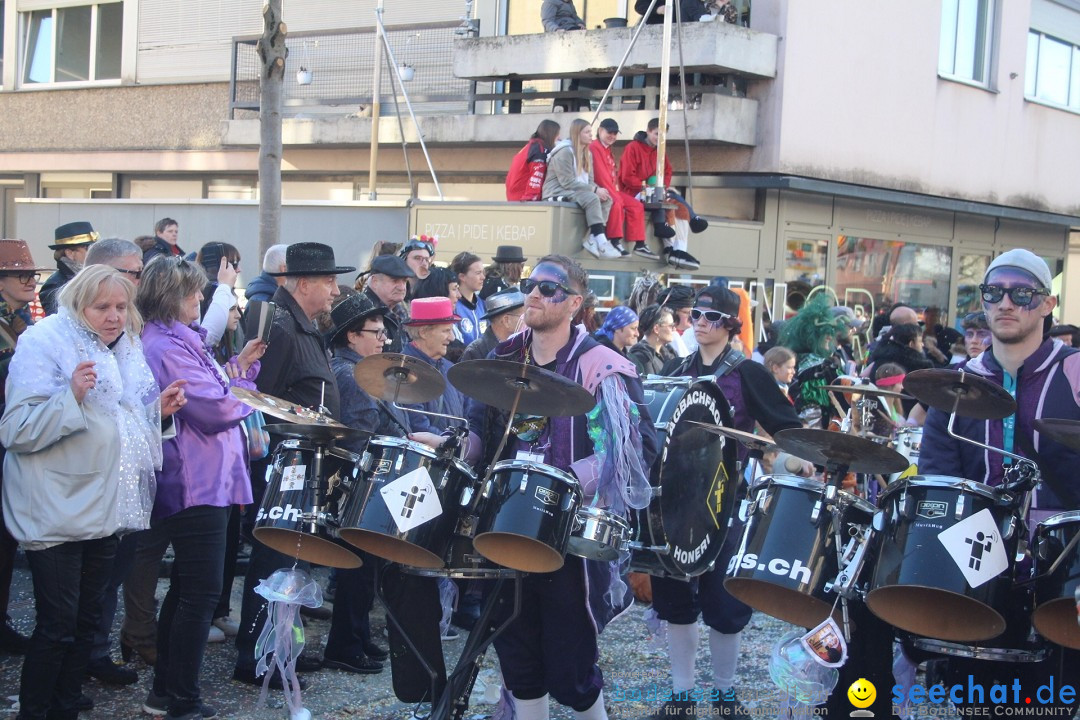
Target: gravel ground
[{"x": 629, "y": 657}]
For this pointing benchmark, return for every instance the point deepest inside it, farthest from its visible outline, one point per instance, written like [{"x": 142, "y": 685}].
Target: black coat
[
  {"x": 51, "y": 288},
  {"x": 690, "y": 11}
]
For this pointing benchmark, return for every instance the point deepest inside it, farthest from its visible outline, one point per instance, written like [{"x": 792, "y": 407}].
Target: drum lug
[
  {"x": 815, "y": 514},
  {"x": 466, "y": 526},
  {"x": 959, "y": 512},
  {"x": 746, "y": 509},
  {"x": 524, "y": 481},
  {"x": 398, "y": 463},
  {"x": 466, "y": 497},
  {"x": 1021, "y": 550},
  {"x": 1009, "y": 528},
  {"x": 365, "y": 461}
]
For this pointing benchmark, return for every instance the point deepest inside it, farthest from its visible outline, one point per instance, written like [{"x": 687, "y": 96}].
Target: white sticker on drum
[
  {"x": 412, "y": 500},
  {"x": 293, "y": 477},
  {"x": 976, "y": 547}
]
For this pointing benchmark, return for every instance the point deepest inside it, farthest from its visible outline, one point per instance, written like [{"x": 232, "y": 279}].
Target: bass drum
[{"x": 694, "y": 480}]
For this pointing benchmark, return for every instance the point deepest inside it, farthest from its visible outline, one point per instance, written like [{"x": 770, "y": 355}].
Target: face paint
[
  {"x": 556, "y": 273},
  {"x": 1009, "y": 277}
]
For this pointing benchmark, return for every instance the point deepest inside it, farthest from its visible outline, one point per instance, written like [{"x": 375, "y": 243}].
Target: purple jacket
[{"x": 206, "y": 463}]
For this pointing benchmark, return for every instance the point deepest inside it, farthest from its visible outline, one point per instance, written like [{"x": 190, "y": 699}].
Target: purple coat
[{"x": 206, "y": 463}]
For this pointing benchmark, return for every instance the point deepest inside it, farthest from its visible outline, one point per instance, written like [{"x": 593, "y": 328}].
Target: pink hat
[{"x": 432, "y": 311}]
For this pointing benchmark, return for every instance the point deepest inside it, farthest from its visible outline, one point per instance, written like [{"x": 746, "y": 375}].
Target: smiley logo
[{"x": 862, "y": 693}]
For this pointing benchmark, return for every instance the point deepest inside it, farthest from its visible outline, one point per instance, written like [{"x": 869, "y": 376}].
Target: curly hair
[{"x": 804, "y": 332}]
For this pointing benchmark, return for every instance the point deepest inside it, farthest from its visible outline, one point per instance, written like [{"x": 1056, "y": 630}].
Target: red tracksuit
[{"x": 626, "y": 210}]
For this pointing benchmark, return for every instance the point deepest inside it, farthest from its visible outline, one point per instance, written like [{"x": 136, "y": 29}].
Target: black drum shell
[{"x": 1055, "y": 594}]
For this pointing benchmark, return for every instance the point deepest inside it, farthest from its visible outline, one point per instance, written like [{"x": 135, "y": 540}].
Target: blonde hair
[
  {"x": 582, "y": 154},
  {"x": 81, "y": 291}
]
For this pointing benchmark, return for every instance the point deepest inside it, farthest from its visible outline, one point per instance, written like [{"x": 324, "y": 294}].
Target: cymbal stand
[
  {"x": 397, "y": 376},
  {"x": 1029, "y": 471},
  {"x": 836, "y": 472}
]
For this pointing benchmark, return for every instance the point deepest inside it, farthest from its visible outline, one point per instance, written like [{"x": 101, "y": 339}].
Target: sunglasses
[
  {"x": 137, "y": 274},
  {"x": 1020, "y": 296},
  {"x": 24, "y": 278},
  {"x": 417, "y": 245},
  {"x": 379, "y": 334},
  {"x": 713, "y": 316},
  {"x": 547, "y": 288}
]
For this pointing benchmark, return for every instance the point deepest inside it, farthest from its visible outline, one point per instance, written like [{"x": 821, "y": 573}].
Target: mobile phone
[
  {"x": 211, "y": 258},
  {"x": 263, "y": 313}
]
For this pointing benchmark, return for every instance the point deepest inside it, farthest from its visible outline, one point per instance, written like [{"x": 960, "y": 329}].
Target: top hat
[
  {"x": 74, "y": 234},
  {"x": 15, "y": 257},
  {"x": 351, "y": 311},
  {"x": 310, "y": 258},
  {"x": 432, "y": 311},
  {"x": 508, "y": 254},
  {"x": 503, "y": 301}
]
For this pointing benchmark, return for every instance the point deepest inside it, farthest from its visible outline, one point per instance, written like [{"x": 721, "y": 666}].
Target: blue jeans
[
  {"x": 198, "y": 539},
  {"x": 69, "y": 580}
]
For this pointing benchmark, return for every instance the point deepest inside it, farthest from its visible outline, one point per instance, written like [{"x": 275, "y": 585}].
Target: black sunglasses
[
  {"x": 24, "y": 278},
  {"x": 137, "y": 274},
  {"x": 1020, "y": 296},
  {"x": 547, "y": 288},
  {"x": 713, "y": 316}
]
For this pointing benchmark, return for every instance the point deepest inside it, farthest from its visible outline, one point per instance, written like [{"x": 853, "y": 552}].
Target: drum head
[
  {"x": 936, "y": 613},
  {"x": 1056, "y": 621},
  {"x": 518, "y": 552},
  {"x": 307, "y": 547},
  {"x": 391, "y": 548}
]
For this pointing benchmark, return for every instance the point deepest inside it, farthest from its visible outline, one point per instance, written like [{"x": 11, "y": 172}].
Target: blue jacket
[
  {"x": 1043, "y": 390},
  {"x": 451, "y": 402},
  {"x": 262, "y": 287}
]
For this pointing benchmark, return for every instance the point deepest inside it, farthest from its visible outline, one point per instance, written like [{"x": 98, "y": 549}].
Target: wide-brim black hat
[
  {"x": 508, "y": 254},
  {"x": 311, "y": 258},
  {"x": 352, "y": 310},
  {"x": 74, "y": 234}
]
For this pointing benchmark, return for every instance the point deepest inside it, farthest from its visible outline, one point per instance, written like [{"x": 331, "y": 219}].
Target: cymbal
[
  {"x": 401, "y": 378},
  {"x": 542, "y": 392},
  {"x": 1066, "y": 432},
  {"x": 825, "y": 447},
  {"x": 283, "y": 409},
  {"x": 750, "y": 440},
  {"x": 979, "y": 398},
  {"x": 865, "y": 390},
  {"x": 318, "y": 433}
]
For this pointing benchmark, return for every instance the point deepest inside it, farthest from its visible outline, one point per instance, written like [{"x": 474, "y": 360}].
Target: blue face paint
[{"x": 554, "y": 273}]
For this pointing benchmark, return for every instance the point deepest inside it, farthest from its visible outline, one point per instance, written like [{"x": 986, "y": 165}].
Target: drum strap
[{"x": 731, "y": 360}]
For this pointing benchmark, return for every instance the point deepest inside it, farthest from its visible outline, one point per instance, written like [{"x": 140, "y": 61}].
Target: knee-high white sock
[
  {"x": 725, "y": 658},
  {"x": 535, "y": 709},
  {"x": 595, "y": 712},
  {"x": 682, "y": 649}
]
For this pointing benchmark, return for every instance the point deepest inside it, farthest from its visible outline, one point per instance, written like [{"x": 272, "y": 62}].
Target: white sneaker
[
  {"x": 591, "y": 245},
  {"x": 227, "y": 625},
  {"x": 605, "y": 247},
  {"x": 215, "y": 635}
]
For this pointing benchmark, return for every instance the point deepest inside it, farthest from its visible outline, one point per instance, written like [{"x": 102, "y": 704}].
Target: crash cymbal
[
  {"x": 542, "y": 392},
  {"x": 283, "y": 409},
  {"x": 865, "y": 390},
  {"x": 979, "y": 398},
  {"x": 825, "y": 447},
  {"x": 1066, "y": 432},
  {"x": 750, "y": 440},
  {"x": 318, "y": 433},
  {"x": 399, "y": 378}
]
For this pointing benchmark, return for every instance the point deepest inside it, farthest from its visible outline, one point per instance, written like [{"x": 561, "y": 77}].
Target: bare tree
[{"x": 272, "y": 52}]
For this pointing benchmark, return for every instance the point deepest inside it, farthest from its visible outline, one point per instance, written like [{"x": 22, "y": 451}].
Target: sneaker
[
  {"x": 248, "y": 677},
  {"x": 375, "y": 652},
  {"x": 643, "y": 250},
  {"x": 689, "y": 260},
  {"x": 623, "y": 252},
  {"x": 159, "y": 705},
  {"x": 215, "y": 635},
  {"x": 591, "y": 246},
  {"x": 675, "y": 709},
  {"x": 228, "y": 626},
  {"x": 105, "y": 670},
  {"x": 663, "y": 231},
  {"x": 308, "y": 662},
  {"x": 360, "y": 663},
  {"x": 681, "y": 260},
  {"x": 698, "y": 224},
  {"x": 607, "y": 250},
  {"x": 729, "y": 706},
  {"x": 450, "y": 634}
]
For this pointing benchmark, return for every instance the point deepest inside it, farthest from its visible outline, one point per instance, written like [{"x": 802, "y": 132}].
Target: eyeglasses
[
  {"x": 24, "y": 278},
  {"x": 547, "y": 288},
  {"x": 1021, "y": 296},
  {"x": 379, "y": 334},
  {"x": 713, "y": 316},
  {"x": 137, "y": 274}
]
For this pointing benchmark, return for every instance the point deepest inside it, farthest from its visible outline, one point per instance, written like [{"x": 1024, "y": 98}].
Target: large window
[
  {"x": 1053, "y": 71},
  {"x": 889, "y": 271},
  {"x": 72, "y": 44},
  {"x": 967, "y": 39}
]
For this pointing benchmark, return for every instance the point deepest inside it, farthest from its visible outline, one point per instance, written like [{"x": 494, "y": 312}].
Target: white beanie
[{"x": 1025, "y": 260}]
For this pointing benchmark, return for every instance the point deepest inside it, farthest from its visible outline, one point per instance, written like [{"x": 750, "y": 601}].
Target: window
[
  {"x": 1053, "y": 71},
  {"x": 967, "y": 32},
  {"x": 72, "y": 44},
  {"x": 891, "y": 271}
]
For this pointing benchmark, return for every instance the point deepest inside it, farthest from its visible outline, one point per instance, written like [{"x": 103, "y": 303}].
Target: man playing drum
[
  {"x": 755, "y": 396},
  {"x": 1043, "y": 375},
  {"x": 551, "y": 647}
]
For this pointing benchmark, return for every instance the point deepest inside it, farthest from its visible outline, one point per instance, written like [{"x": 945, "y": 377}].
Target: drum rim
[
  {"x": 800, "y": 483},
  {"x": 1060, "y": 518},
  {"x": 544, "y": 469},
  {"x": 944, "y": 481},
  {"x": 599, "y": 513},
  {"x": 978, "y": 652},
  {"x": 420, "y": 449},
  {"x": 301, "y": 444}
]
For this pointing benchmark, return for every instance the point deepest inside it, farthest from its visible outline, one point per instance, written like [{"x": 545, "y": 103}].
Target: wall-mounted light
[{"x": 303, "y": 76}]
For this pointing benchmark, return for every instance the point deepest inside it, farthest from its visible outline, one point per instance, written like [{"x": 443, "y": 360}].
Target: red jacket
[
  {"x": 603, "y": 163},
  {"x": 638, "y": 164}
]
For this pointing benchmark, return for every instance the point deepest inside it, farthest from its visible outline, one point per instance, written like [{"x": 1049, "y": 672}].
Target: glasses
[
  {"x": 418, "y": 245},
  {"x": 547, "y": 288},
  {"x": 137, "y": 274},
  {"x": 379, "y": 334},
  {"x": 1021, "y": 296},
  {"x": 713, "y": 316},
  {"x": 24, "y": 278}
]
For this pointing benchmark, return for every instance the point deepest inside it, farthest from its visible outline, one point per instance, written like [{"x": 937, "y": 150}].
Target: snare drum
[
  {"x": 694, "y": 482},
  {"x": 944, "y": 567},
  {"x": 788, "y": 551},
  {"x": 1055, "y": 613},
  {"x": 406, "y": 509},
  {"x": 598, "y": 535},
  {"x": 529, "y": 513},
  {"x": 908, "y": 443},
  {"x": 288, "y": 520}
]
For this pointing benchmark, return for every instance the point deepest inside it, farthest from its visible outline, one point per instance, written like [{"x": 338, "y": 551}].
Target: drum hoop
[
  {"x": 420, "y": 449},
  {"x": 1062, "y": 518},
  {"x": 792, "y": 481},
  {"x": 942, "y": 481},
  {"x": 603, "y": 515},
  {"x": 980, "y": 652},
  {"x": 301, "y": 444},
  {"x": 532, "y": 466}
]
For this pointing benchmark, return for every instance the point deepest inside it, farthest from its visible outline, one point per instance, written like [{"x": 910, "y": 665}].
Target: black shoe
[
  {"x": 356, "y": 664},
  {"x": 11, "y": 641},
  {"x": 85, "y": 703},
  {"x": 308, "y": 662},
  {"x": 698, "y": 224},
  {"x": 248, "y": 677},
  {"x": 108, "y": 672},
  {"x": 663, "y": 231},
  {"x": 319, "y": 613},
  {"x": 375, "y": 652},
  {"x": 729, "y": 706},
  {"x": 689, "y": 260},
  {"x": 675, "y": 709}
]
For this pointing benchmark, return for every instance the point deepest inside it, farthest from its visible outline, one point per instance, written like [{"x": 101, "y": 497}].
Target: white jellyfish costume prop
[{"x": 282, "y": 638}]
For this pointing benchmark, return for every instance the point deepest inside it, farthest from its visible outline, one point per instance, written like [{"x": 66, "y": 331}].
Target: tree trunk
[{"x": 272, "y": 52}]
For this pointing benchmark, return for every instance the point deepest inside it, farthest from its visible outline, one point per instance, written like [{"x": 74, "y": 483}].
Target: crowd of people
[{"x": 122, "y": 437}]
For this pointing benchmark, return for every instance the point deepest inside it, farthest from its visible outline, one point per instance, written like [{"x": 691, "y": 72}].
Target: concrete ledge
[{"x": 707, "y": 47}]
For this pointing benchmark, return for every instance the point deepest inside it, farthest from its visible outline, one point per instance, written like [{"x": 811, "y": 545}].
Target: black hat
[
  {"x": 352, "y": 310},
  {"x": 503, "y": 301},
  {"x": 508, "y": 254},
  {"x": 310, "y": 258},
  {"x": 718, "y": 297},
  {"x": 610, "y": 125},
  {"x": 391, "y": 266},
  {"x": 74, "y": 234},
  {"x": 676, "y": 297}
]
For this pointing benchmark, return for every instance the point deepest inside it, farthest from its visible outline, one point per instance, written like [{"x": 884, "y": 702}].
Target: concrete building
[{"x": 888, "y": 151}]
